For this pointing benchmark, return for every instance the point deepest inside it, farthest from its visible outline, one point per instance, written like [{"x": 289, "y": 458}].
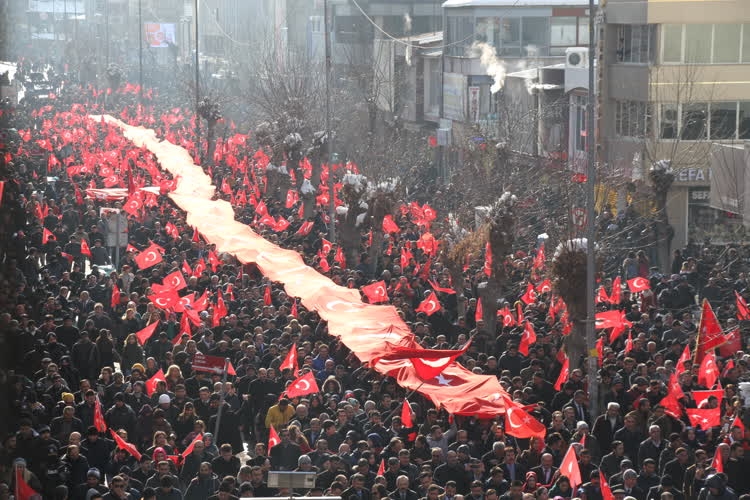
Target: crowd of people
[{"x": 87, "y": 415}]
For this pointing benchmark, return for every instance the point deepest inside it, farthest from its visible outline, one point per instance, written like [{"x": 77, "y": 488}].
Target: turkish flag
[
  {"x": 439, "y": 288},
  {"x": 743, "y": 312},
  {"x": 175, "y": 280},
  {"x": 601, "y": 296},
  {"x": 199, "y": 268},
  {"x": 273, "y": 439},
  {"x": 220, "y": 310},
  {"x": 23, "y": 490},
  {"x": 149, "y": 257},
  {"x": 124, "y": 445},
  {"x": 115, "y": 297},
  {"x": 375, "y": 292},
  {"x": 604, "y": 486},
  {"x": 389, "y": 225},
  {"x": 325, "y": 246},
  {"x": 405, "y": 258},
  {"x": 569, "y": 468},
  {"x": 165, "y": 299},
  {"x": 281, "y": 225},
  {"x": 290, "y": 362},
  {"x": 294, "y": 311},
  {"x": 710, "y": 335},
  {"x": 727, "y": 366},
  {"x": 267, "y": 300},
  {"x": 427, "y": 363},
  {"x": 381, "y": 467},
  {"x": 539, "y": 258},
  {"x": 190, "y": 447},
  {"x": 674, "y": 387},
  {"x": 85, "y": 250},
  {"x": 686, "y": 356},
  {"x": 146, "y": 333},
  {"x": 705, "y": 418},
  {"x": 305, "y": 228},
  {"x": 708, "y": 373},
  {"x": 600, "y": 351},
  {"x": 213, "y": 259},
  {"x": 507, "y": 316},
  {"x": 528, "y": 338},
  {"x": 529, "y": 295},
  {"x": 339, "y": 258},
  {"x": 629, "y": 343},
  {"x": 638, "y": 284},
  {"x": 291, "y": 198},
  {"x": 521, "y": 425},
  {"x": 615, "y": 295},
  {"x": 564, "y": 374},
  {"x": 544, "y": 287},
  {"x": 131, "y": 248},
  {"x": 480, "y": 310},
  {"x": 430, "y": 305},
  {"x": 99, "y": 422},
  {"x": 717, "y": 463},
  {"x": 701, "y": 396},
  {"x": 151, "y": 383},
  {"x": 733, "y": 343},
  {"x": 304, "y": 385},
  {"x": 172, "y": 230},
  {"x": 611, "y": 319},
  {"x": 47, "y": 235},
  {"x": 671, "y": 405}
]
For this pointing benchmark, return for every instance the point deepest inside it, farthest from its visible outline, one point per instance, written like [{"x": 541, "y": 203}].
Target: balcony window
[
  {"x": 698, "y": 43},
  {"x": 535, "y": 35},
  {"x": 672, "y": 43},
  {"x": 727, "y": 43},
  {"x": 563, "y": 31},
  {"x": 635, "y": 43},
  {"x": 510, "y": 37},
  {"x": 743, "y": 120},
  {"x": 705, "y": 43}
]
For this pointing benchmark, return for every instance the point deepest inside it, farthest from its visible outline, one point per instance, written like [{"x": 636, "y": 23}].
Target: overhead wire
[{"x": 416, "y": 46}]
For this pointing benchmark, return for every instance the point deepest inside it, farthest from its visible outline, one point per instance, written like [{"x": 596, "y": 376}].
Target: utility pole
[
  {"x": 140, "y": 52},
  {"x": 592, "y": 367},
  {"x": 329, "y": 134},
  {"x": 197, "y": 87}
]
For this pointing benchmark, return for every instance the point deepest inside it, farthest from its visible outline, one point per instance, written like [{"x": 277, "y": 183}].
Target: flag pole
[{"x": 221, "y": 401}]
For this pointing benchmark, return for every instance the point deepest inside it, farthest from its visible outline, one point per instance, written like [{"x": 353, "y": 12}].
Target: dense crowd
[{"x": 85, "y": 416}]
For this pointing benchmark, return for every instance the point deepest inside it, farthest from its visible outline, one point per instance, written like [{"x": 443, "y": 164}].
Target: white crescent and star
[
  {"x": 442, "y": 380},
  {"x": 299, "y": 385}
]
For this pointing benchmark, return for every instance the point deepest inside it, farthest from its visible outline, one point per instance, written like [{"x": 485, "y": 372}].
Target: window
[
  {"x": 633, "y": 118},
  {"x": 433, "y": 104},
  {"x": 669, "y": 121},
  {"x": 698, "y": 43},
  {"x": 580, "y": 123},
  {"x": 743, "y": 120},
  {"x": 488, "y": 30},
  {"x": 723, "y": 120},
  {"x": 583, "y": 31},
  {"x": 535, "y": 36},
  {"x": 672, "y": 43},
  {"x": 636, "y": 43},
  {"x": 727, "y": 43},
  {"x": 694, "y": 121},
  {"x": 563, "y": 31},
  {"x": 460, "y": 35},
  {"x": 510, "y": 39},
  {"x": 706, "y": 43}
]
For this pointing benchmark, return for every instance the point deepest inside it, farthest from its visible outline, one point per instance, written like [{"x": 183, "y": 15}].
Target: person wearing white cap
[
  {"x": 588, "y": 441},
  {"x": 606, "y": 425}
]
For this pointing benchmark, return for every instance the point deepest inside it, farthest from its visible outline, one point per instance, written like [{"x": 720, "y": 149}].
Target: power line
[{"x": 408, "y": 44}]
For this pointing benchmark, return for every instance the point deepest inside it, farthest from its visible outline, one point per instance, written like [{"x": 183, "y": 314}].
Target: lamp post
[
  {"x": 197, "y": 86},
  {"x": 329, "y": 134},
  {"x": 592, "y": 368},
  {"x": 140, "y": 52}
]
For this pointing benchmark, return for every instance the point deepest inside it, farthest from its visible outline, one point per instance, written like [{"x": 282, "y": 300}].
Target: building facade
[{"x": 675, "y": 81}]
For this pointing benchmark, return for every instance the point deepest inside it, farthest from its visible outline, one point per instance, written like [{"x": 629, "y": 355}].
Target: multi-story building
[{"x": 675, "y": 80}]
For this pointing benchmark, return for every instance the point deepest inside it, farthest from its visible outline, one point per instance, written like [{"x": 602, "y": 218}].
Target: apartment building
[{"x": 675, "y": 83}]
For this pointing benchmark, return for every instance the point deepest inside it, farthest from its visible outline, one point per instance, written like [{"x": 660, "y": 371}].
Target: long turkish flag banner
[{"x": 362, "y": 327}]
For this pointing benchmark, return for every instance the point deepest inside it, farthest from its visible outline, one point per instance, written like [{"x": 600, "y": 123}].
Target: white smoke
[
  {"x": 407, "y": 23},
  {"x": 493, "y": 66}
]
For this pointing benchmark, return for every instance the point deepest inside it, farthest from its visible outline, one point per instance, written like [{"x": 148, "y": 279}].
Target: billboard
[{"x": 160, "y": 34}]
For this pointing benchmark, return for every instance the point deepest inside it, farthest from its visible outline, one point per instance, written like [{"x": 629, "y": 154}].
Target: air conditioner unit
[{"x": 577, "y": 57}]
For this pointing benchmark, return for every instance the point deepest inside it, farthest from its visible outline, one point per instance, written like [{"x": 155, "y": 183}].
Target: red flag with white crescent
[
  {"x": 302, "y": 386},
  {"x": 375, "y": 292}
]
